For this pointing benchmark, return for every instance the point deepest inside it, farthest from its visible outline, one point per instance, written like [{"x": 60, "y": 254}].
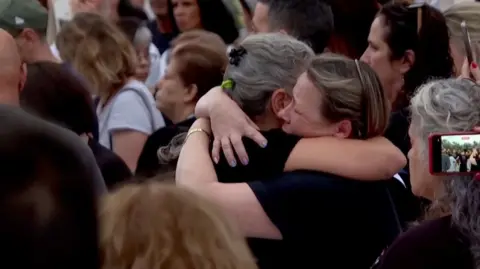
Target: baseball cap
[{"x": 16, "y": 15}]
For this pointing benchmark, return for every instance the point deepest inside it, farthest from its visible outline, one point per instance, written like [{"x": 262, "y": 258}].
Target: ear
[
  {"x": 30, "y": 35},
  {"x": 407, "y": 61},
  {"x": 279, "y": 100},
  {"x": 190, "y": 93},
  {"x": 343, "y": 129}
]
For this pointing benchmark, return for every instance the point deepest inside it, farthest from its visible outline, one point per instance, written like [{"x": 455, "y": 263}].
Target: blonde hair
[
  {"x": 160, "y": 226},
  {"x": 99, "y": 51},
  {"x": 351, "y": 90},
  {"x": 468, "y": 12}
]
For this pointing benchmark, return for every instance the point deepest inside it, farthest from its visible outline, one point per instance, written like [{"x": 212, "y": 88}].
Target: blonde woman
[
  {"x": 470, "y": 13},
  {"x": 158, "y": 226},
  {"x": 126, "y": 109}
]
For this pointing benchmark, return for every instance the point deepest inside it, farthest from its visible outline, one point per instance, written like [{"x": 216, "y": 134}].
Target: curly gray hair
[{"x": 451, "y": 106}]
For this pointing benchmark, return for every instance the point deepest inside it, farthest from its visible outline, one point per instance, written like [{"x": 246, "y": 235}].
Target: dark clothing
[
  {"x": 263, "y": 163},
  {"x": 160, "y": 40},
  {"x": 327, "y": 221},
  {"x": 433, "y": 244},
  {"x": 148, "y": 164},
  {"x": 397, "y": 130},
  {"x": 113, "y": 168},
  {"x": 463, "y": 163},
  {"x": 445, "y": 162}
]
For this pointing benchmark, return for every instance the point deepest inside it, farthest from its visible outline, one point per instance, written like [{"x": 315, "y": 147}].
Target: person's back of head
[
  {"x": 48, "y": 209},
  {"x": 262, "y": 64},
  {"x": 55, "y": 94},
  {"x": 350, "y": 90},
  {"x": 178, "y": 229},
  {"x": 310, "y": 21},
  {"x": 98, "y": 50},
  {"x": 468, "y": 12}
]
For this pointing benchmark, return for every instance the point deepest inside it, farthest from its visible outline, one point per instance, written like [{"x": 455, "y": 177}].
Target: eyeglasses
[{"x": 418, "y": 7}]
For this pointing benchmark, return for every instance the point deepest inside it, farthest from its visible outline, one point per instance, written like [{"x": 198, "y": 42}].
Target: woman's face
[
  {"x": 423, "y": 183},
  {"x": 302, "y": 116},
  {"x": 378, "y": 56},
  {"x": 187, "y": 14},
  {"x": 171, "y": 90},
  {"x": 143, "y": 67}
]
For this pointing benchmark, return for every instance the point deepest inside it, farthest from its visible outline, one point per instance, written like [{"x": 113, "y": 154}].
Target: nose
[{"x": 364, "y": 58}]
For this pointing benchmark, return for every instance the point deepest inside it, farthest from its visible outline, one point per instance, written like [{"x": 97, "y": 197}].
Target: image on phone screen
[{"x": 455, "y": 153}]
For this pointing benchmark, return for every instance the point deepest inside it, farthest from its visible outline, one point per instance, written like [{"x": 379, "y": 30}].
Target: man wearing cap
[{"x": 27, "y": 21}]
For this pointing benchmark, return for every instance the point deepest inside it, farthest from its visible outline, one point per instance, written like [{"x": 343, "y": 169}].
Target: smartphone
[
  {"x": 467, "y": 42},
  {"x": 452, "y": 153}
]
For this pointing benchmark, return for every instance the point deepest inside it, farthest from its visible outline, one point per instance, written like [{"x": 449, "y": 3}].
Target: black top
[
  {"x": 160, "y": 40},
  {"x": 397, "y": 130},
  {"x": 113, "y": 168},
  {"x": 263, "y": 163},
  {"x": 326, "y": 221},
  {"x": 432, "y": 245},
  {"x": 148, "y": 164}
]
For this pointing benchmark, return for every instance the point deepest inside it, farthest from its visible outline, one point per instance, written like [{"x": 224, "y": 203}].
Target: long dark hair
[
  {"x": 216, "y": 18},
  {"x": 428, "y": 38},
  {"x": 126, "y": 9}
]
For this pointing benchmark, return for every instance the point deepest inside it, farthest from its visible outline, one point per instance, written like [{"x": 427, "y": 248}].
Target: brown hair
[
  {"x": 162, "y": 226},
  {"x": 351, "y": 90},
  {"x": 200, "y": 59},
  {"x": 99, "y": 51}
]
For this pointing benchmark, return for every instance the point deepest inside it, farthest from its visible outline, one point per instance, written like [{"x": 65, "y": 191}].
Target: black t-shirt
[
  {"x": 148, "y": 164},
  {"x": 264, "y": 163},
  {"x": 326, "y": 221},
  {"x": 435, "y": 244},
  {"x": 397, "y": 130}
]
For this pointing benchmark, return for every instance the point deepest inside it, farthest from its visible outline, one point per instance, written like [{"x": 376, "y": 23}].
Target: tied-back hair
[
  {"x": 99, "y": 51},
  {"x": 155, "y": 225},
  {"x": 451, "y": 106},
  {"x": 350, "y": 89},
  {"x": 468, "y": 12},
  {"x": 422, "y": 29},
  {"x": 268, "y": 62}
]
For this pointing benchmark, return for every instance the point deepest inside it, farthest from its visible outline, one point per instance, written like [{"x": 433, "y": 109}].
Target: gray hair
[
  {"x": 451, "y": 106},
  {"x": 272, "y": 61}
]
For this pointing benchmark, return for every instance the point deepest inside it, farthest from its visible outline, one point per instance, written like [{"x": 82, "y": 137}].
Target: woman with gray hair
[{"x": 449, "y": 237}]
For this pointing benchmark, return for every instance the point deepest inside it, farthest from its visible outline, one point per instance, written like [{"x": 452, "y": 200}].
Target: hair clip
[
  {"x": 228, "y": 84},
  {"x": 236, "y": 55}
]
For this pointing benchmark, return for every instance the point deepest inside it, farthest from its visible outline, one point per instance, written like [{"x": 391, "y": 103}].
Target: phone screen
[{"x": 455, "y": 153}]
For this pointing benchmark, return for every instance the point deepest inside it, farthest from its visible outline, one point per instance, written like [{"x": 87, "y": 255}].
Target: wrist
[{"x": 202, "y": 123}]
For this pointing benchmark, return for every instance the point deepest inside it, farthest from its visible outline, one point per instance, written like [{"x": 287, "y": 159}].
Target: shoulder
[{"x": 424, "y": 245}]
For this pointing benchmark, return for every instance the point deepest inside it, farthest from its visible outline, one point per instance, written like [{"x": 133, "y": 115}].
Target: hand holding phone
[{"x": 467, "y": 42}]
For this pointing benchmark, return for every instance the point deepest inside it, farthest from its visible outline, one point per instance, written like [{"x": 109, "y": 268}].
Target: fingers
[
  {"x": 474, "y": 70},
  {"x": 239, "y": 148},
  {"x": 216, "y": 150},
  {"x": 256, "y": 136},
  {"x": 228, "y": 151}
]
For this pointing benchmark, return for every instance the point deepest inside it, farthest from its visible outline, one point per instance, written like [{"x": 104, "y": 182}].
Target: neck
[
  {"x": 182, "y": 113},
  {"x": 9, "y": 95},
  {"x": 164, "y": 25},
  {"x": 43, "y": 54},
  {"x": 267, "y": 122}
]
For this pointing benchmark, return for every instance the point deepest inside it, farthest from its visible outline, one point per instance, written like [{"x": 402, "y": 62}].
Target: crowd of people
[{"x": 238, "y": 134}]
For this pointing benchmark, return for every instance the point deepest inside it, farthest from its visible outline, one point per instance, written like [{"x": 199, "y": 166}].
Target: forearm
[
  {"x": 207, "y": 102},
  {"x": 373, "y": 159}
]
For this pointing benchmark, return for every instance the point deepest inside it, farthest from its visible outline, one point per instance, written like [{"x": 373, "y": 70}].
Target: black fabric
[
  {"x": 263, "y": 163},
  {"x": 160, "y": 40},
  {"x": 397, "y": 130},
  {"x": 431, "y": 245},
  {"x": 326, "y": 221},
  {"x": 148, "y": 164},
  {"x": 113, "y": 168}
]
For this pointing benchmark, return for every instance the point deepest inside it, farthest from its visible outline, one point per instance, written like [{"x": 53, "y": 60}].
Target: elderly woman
[
  {"x": 449, "y": 237},
  {"x": 269, "y": 205}
]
